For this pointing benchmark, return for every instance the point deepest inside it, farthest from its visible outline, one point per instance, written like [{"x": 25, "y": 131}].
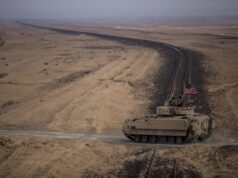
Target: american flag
[{"x": 190, "y": 89}]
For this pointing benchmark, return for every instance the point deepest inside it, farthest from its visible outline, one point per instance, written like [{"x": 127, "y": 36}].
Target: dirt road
[{"x": 105, "y": 138}]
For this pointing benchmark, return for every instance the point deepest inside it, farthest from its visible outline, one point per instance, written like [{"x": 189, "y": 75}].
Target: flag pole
[{"x": 184, "y": 93}]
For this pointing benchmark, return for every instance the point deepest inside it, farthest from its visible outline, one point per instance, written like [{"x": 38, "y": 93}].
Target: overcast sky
[{"x": 115, "y": 8}]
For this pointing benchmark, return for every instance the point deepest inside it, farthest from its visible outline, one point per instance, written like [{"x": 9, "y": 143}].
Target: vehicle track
[
  {"x": 104, "y": 138},
  {"x": 183, "y": 74}
]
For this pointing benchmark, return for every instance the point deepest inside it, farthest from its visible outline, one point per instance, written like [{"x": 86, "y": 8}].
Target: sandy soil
[
  {"x": 44, "y": 157},
  {"x": 56, "y": 82},
  {"x": 72, "y": 83}
]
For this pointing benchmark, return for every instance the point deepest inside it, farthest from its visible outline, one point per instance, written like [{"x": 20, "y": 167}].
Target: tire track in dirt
[
  {"x": 107, "y": 75},
  {"x": 93, "y": 82},
  {"x": 104, "y": 138}
]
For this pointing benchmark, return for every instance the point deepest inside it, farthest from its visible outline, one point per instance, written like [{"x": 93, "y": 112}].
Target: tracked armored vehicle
[{"x": 176, "y": 122}]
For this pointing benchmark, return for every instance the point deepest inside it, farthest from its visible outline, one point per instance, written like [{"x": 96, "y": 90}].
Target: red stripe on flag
[{"x": 191, "y": 90}]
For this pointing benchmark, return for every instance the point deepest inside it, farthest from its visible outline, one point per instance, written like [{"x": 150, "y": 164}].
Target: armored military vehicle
[{"x": 176, "y": 122}]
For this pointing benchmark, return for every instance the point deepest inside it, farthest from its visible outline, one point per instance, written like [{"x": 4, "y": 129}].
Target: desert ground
[{"x": 63, "y": 83}]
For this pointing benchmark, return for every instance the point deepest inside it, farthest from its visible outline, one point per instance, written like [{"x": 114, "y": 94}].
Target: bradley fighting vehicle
[{"x": 176, "y": 122}]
